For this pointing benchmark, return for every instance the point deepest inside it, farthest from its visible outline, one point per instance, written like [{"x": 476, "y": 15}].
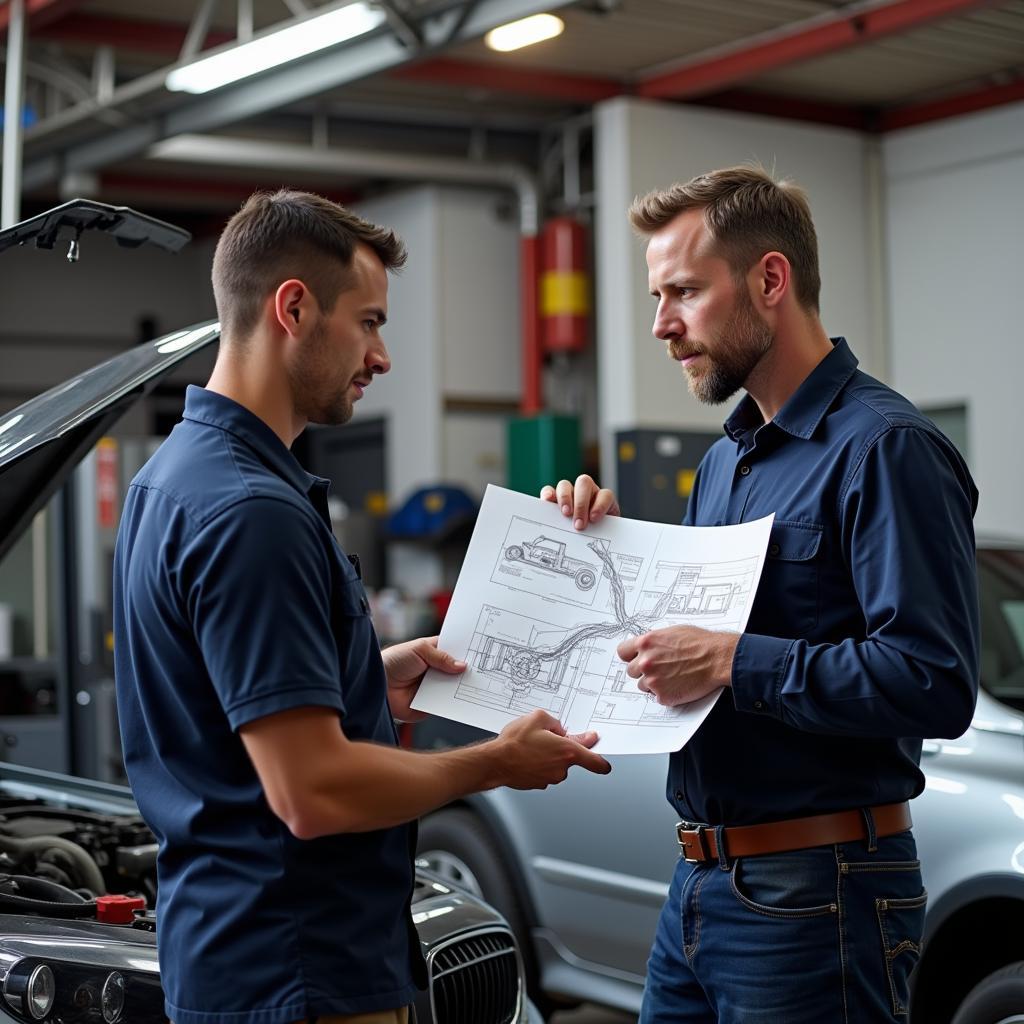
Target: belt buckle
[{"x": 695, "y": 830}]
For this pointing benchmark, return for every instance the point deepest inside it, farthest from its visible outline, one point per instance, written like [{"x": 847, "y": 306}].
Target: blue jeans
[{"x": 821, "y": 936}]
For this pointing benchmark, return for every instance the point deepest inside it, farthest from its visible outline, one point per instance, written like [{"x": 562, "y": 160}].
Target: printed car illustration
[{"x": 547, "y": 553}]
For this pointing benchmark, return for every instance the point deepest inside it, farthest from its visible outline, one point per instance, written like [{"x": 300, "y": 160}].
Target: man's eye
[{"x": 369, "y": 324}]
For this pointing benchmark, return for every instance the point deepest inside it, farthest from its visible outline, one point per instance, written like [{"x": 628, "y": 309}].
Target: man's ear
[
  {"x": 773, "y": 278},
  {"x": 292, "y": 306}
]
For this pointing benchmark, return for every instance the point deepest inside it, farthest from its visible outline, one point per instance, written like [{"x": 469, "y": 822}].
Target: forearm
[{"x": 372, "y": 786}]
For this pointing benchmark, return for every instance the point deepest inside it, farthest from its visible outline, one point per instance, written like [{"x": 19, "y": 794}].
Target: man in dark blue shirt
[
  {"x": 256, "y": 706},
  {"x": 798, "y": 895}
]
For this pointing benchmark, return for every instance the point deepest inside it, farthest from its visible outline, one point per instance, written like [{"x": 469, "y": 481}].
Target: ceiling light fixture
[
  {"x": 524, "y": 32},
  {"x": 275, "y": 48}
]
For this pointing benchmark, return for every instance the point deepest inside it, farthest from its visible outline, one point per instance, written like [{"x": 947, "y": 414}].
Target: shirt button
[
  {"x": 759, "y": 705},
  {"x": 744, "y": 470},
  {"x": 773, "y": 550},
  {"x": 678, "y": 794}
]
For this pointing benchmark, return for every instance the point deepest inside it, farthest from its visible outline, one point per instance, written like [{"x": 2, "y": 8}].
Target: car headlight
[
  {"x": 112, "y": 998},
  {"x": 30, "y": 990}
]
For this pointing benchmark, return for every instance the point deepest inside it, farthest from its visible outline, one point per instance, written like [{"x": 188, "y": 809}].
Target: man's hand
[
  {"x": 679, "y": 664},
  {"x": 584, "y": 501},
  {"x": 537, "y": 752},
  {"x": 405, "y": 665}
]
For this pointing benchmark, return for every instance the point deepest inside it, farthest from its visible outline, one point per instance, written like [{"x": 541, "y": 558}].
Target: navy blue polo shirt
[
  {"x": 232, "y": 601},
  {"x": 863, "y": 636}
]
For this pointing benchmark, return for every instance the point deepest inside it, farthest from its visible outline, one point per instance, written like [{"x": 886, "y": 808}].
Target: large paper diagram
[{"x": 540, "y": 608}]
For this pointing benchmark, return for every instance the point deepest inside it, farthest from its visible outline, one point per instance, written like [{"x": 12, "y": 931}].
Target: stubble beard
[
  {"x": 311, "y": 378},
  {"x": 738, "y": 348}
]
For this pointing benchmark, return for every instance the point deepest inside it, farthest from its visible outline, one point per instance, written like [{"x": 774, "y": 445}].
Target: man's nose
[
  {"x": 666, "y": 325},
  {"x": 377, "y": 359}
]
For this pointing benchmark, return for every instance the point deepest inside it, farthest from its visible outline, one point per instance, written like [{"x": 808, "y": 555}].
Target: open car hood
[{"x": 43, "y": 440}]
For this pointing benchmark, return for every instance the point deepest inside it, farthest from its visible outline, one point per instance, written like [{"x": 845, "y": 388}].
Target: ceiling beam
[
  {"x": 851, "y": 25},
  {"x": 39, "y": 12},
  {"x": 228, "y": 193},
  {"x": 951, "y": 106},
  {"x": 281, "y": 87},
  {"x": 792, "y": 108},
  {"x": 163, "y": 38},
  {"x": 520, "y": 81}
]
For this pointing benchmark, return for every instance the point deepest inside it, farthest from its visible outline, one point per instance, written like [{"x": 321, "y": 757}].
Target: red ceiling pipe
[
  {"x": 951, "y": 106},
  {"x": 851, "y": 25},
  {"x": 39, "y": 12},
  {"x": 159, "y": 37},
  {"x": 532, "y": 401}
]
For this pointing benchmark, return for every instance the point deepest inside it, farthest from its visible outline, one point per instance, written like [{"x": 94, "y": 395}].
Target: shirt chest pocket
[
  {"x": 788, "y": 599},
  {"x": 353, "y": 627}
]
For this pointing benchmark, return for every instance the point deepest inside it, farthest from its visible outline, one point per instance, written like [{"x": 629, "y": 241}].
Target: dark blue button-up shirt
[
  {"x": 863, "y": 637},
  {"x": 233, "y": 601}
]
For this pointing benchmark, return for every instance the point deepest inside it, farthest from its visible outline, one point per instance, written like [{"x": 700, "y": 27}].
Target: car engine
[
  {"x": 77, "y": 929},
  {"x": 86, "y": 852}
]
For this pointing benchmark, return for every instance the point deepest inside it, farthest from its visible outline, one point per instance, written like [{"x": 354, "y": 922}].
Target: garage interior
[{"x": 904, "y": 120}]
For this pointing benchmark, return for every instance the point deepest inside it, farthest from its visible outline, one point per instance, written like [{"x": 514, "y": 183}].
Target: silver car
[{"x": 582, "y": 869}]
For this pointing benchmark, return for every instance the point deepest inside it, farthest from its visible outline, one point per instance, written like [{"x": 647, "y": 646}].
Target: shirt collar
[
  {"x": 216, "y": 410},
  {"x": 807, "y": 405}
]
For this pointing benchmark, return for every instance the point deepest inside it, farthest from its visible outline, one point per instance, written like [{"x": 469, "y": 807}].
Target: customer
[
  {"x": 798, "y": 896},
  {"x": 256, "y": 706}
]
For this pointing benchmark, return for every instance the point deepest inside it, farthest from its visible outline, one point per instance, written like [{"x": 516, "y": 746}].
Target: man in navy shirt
[
  {"x": 798, "y": 895},
  {"x": 256, "y": 706}
]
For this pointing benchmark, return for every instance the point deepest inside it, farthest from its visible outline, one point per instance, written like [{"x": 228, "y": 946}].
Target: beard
[
  {"x": 317, "y": 398},
  {"x": 738, "y": 348}
]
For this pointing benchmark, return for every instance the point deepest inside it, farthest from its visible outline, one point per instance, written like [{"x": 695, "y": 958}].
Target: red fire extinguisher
[{"x": 564, "y": 286}]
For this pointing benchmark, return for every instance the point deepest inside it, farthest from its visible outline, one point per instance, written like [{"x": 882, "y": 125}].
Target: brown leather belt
[{"x": 698, "y": 842}]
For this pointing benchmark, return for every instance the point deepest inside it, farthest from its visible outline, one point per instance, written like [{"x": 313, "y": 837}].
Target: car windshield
[{"x": 1001, "y": 590}]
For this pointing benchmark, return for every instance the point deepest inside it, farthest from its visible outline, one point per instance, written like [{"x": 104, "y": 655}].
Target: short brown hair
[
  {"x": 747, "y": 215},
  {"x": 285, "y": 234}
]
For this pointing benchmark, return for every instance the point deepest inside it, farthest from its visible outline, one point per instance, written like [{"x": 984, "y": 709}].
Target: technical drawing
[
  {"x": 680, "y": 591},
  {"x": 547, "y": 553},
  {"x": 524, "y": 663},
  {"x": 542, "y": 610},
  {"x": 558, "y": 565},
  {"x": 622, "y": 703},
  {"x": 528, "y": 658}
]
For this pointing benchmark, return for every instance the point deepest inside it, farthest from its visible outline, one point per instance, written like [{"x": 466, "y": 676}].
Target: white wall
[
  {"x": 479, "y": 301},
  {"x": 453, "y": 332},
  {"x": 641, "y": 145},
  {"x": 410, "y": 395},
  {"x": 956, "y": 248}
]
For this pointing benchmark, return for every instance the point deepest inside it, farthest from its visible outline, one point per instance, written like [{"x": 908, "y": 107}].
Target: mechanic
[
  {"x": 256, "y": 706},
  {"x": 798, "y": 895}
]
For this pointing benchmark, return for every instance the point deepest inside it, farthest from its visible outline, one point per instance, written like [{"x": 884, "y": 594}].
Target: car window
[{"x": 1001, "y": 596}]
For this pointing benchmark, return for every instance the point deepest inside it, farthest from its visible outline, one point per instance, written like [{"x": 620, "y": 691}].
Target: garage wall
[
  {"x": 956, "y": 246},
  {"x": 641, "y": 145},
  {"x": 453, "y": 333},
  {"x": 409, "y": 397}
]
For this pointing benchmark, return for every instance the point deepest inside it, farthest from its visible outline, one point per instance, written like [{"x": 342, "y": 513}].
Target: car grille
[{"x": 474, "y": 979}]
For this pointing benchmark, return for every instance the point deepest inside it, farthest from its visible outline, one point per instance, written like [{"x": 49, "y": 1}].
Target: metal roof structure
[{"x": 425, "y": 83}]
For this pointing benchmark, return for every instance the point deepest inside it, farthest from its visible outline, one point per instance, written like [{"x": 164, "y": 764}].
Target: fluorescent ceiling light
[
  {"x": 524, "y": 32},
  {"x": 275, "y": 48}
]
